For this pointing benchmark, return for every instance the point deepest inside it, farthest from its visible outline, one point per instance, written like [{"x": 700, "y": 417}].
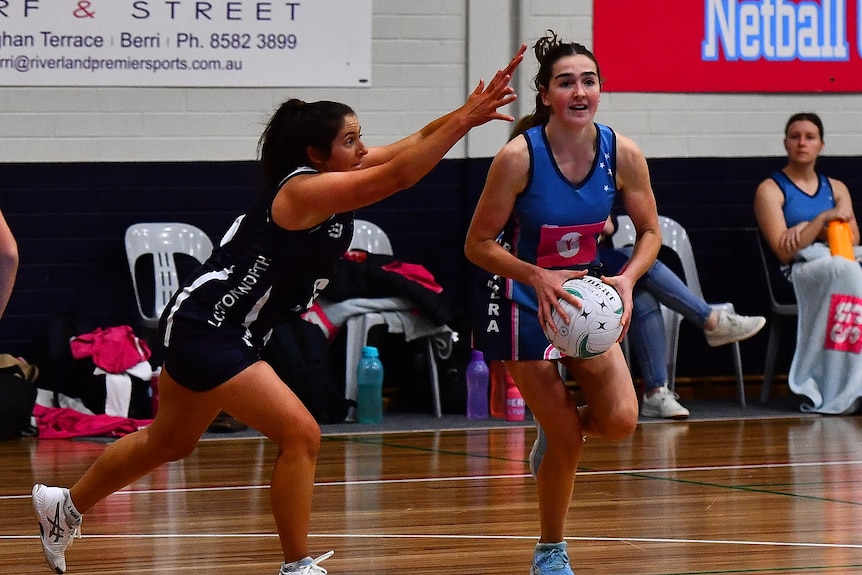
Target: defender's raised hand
[{"x": 483, "y": 103}]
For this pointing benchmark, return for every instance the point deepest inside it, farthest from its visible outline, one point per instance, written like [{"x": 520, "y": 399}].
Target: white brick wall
[{"x": 427, "y": 54}]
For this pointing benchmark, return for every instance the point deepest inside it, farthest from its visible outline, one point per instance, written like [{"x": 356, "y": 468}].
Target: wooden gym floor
[{"x": 730, "y": 496}]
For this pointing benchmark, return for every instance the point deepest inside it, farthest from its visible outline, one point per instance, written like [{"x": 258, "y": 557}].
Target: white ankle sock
[{"x": 73, "y": 516}]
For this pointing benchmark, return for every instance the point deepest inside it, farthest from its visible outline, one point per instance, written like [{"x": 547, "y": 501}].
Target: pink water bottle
[{"x": 515, "y": 407}]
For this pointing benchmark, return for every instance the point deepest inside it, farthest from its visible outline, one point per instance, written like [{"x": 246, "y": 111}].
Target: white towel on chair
[
  {"x": 400, "y": 314},
  {"x": 827, "y": 363}
]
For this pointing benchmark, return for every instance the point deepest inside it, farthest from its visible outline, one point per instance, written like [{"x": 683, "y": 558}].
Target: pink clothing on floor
[{"x": 64, "y": 423}]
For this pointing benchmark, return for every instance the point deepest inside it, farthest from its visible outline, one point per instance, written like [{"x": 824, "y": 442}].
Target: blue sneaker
[
  {"x": 551, "y": 559},
  {"x": 538, "y": 450}
]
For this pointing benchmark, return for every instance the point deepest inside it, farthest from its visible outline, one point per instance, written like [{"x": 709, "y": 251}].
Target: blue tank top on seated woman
[
  {"x": 557, "y": 222},
  {"x": 800, "y": 207}
]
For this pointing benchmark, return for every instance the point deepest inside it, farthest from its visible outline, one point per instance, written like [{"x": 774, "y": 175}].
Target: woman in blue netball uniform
[
  {"x": 794, "y": 208},
  {"x": 555, "y": 185},
  {"x": 268, "y": 269},
  {"x": 794, "y": 205}
]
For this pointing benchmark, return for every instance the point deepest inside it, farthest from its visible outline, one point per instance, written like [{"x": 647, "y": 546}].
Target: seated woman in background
[{"x": 793, "y": 208}]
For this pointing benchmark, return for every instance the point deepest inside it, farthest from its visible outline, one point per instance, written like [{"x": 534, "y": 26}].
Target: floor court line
[
  {"x": 582, "y": 473},
  {"x": 475, "y": 537}
]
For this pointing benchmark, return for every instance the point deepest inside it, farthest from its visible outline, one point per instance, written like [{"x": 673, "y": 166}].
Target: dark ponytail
[{"x": 294, "y": 127}]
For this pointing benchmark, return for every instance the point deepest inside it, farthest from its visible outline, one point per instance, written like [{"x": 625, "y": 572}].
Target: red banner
[{"x": 789, "y": 46}]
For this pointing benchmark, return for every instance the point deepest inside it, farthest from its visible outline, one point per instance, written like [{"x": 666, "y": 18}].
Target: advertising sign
[
  {"x": 262, "y": 43},
  {"x": 791, "y": 46}
]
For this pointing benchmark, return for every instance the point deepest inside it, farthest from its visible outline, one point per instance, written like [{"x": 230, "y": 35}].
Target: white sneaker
[
  {"x": 734, "y": 327},
  {"x": 663, "y": 403},
  {"x": 307, "y": 566},
  {"x": 57, "y": 530}
]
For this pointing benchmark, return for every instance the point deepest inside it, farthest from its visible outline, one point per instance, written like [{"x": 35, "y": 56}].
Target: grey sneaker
[
  {"x": 551, "y": 559},
  {"x": 538, "y": 450},
  {"x": 307, "y": 566},
  {"x": 56, "y": 529},
  {"x": 663, "y": 403},
  {"x": 734, "y": 327},
  {"x": 537, "y": 453}
]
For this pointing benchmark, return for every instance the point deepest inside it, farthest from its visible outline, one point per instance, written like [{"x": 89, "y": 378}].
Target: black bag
[
  {"x": 17, "y": 399},
  {"x": 51, "y": 353},
  {"x": 299, "y": 354}
]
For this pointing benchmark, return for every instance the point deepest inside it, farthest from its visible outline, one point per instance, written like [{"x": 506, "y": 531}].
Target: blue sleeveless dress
[{"x": 555, "y": 224}]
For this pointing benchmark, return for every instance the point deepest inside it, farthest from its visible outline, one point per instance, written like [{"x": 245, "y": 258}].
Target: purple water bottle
[{"x": 477, "y": 386}]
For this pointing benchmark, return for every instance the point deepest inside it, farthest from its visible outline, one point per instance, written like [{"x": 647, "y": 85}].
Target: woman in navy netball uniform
[
  {"x": 556, "y": 184},
  {"x": 268, "y": 269}
]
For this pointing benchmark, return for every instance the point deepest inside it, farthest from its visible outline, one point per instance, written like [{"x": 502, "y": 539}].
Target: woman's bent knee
[
  {"x": 618, "y": 423},
  {"x": 173, "y": 449},
  {"x": 302, "y": 439},
  {"x": 625, "y": 421}
]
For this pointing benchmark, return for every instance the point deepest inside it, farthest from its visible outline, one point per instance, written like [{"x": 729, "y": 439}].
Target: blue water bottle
[
  {"x": 369, "y": 381},
  {"x": 477, "y": 386}
]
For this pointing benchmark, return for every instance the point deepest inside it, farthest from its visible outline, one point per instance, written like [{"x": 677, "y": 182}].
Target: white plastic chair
[
  {"x": 162, "y": 241},
  {"x": 370, "y": 237},
  {"x": 674, "y": 236},
  {"x": 782, "y": 311}
]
